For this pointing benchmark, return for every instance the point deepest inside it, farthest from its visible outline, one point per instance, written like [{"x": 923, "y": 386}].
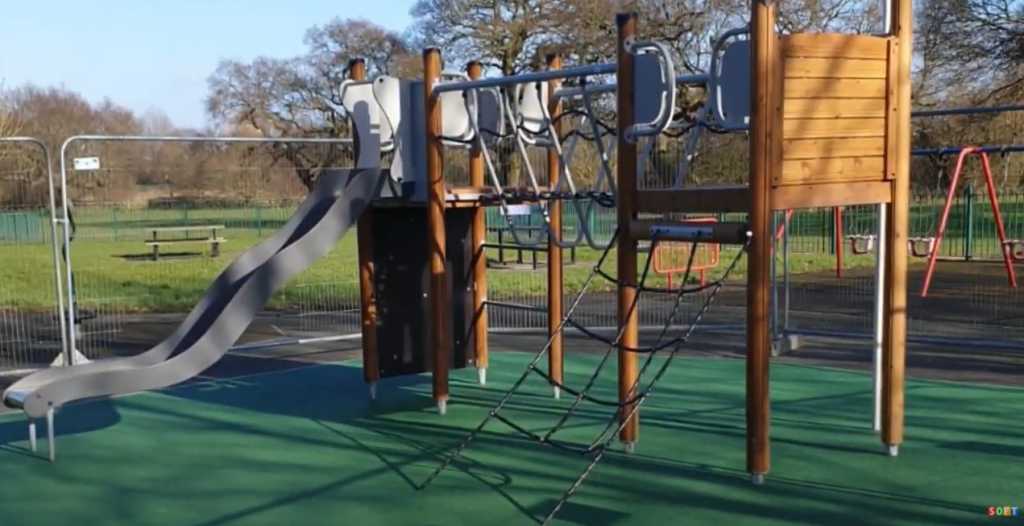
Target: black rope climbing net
[{"x": 630, "y": 404}]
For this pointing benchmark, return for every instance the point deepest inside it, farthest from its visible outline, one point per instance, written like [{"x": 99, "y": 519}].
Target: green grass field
[
  {"x": 112, "y": 273},
  {"x": 103, "y": 275}
]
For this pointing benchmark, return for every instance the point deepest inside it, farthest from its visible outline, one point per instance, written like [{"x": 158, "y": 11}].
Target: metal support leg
[
  {"x": 373, "y": 390},
  {"x": 32, "y": 435},
  {"x": 442, "y": 406},
  {"x": 50, "y": 436},
  {"x": 481, "y": 375}
]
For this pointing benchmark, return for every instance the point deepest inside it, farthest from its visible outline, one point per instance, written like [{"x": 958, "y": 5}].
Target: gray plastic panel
[
  {"x": 531, "y": 101},
  {"x": 387, "y": 95},
  {"x": 732, "y": 94},
  {"x": 649, "y": 88},
  {"x": 455, "y": 118},
  {"x": 226, "y": 309},
  {"x": 412, "y": 150},
  {"x": 491, "y": 115},
  {"x": 360, "y": 95}
]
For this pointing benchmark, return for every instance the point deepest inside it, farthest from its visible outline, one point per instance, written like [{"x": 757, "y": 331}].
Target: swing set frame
[{"x": 1012, "y": 250}]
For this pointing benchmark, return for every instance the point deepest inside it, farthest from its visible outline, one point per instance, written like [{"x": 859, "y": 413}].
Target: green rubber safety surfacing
[{"x": 308, "y": 447}]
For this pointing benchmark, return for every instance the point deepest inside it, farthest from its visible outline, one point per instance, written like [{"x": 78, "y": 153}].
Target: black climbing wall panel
[{"x": 402, "y": 272}]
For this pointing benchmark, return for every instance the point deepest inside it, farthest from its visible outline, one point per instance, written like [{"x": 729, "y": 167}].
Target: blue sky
[{"x": 158, "y": 53}]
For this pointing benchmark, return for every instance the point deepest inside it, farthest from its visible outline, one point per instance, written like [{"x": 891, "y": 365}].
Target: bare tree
[
  {"x": 299, "y": 96},
  {"x": 974, "y": 43},
  {"x": 10, "y": 124}
]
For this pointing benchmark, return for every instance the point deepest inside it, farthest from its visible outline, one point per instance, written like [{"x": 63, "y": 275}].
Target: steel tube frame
[
  {"x": 288, "y": 342},
  {"x": 955, "y": 150},
  {"x": 575, "y": 92},
  {"x": 535, "y": 76}
]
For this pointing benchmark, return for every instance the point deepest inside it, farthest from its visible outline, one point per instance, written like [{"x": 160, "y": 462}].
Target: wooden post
[
  {"x": 627, "y": 247},
  {"x": 367, "y": 298},
  {"x": 894, "y": 312},
  {"x": 556, "y": 290},
  {"x": 764, "y": 66},
  {"x": 435, "y": 226},
  {"x": 476, "y": 179}
]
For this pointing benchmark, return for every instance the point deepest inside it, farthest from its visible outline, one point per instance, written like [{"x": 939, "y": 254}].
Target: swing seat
[
  {"x": 921, "y": 247},
  {"x": 1014, "y": 248},
  {"x": 861, "y": 243}
]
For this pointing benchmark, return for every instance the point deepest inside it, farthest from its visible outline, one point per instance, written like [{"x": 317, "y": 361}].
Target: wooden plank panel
[
  {"x": 830, "y": 194},
  {"x": 834, "y": 170},
  {"x": 796, "y": 149},
  {"x": 828, "y": 108},
  {"x": 834, "y": 108},
  {"x": 833, "y": 45},
  {"x": 825, "y": 68},
  {"x": 832, "y": 88},
  {"x": 829, "y": 129}
]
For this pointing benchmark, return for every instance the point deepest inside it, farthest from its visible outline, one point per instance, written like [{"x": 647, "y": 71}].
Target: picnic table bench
[{"x": 176, "y": 235}]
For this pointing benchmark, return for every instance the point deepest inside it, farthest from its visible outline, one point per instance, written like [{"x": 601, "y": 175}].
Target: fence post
[
  {"x": 831, "y": 222},
  {"x": 968, "y": 223},
  {"x": 117, "y": 224},
  {"x": 259, "y": 221}
]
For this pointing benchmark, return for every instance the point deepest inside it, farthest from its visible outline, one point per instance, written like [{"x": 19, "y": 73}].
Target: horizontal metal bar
[
  {"x": 578, "y": 91},
  {"x": 942, "y": 341},
  {"x": 513, "y": 247},
  {"x": 214, "y": 139},
  {"x": 288, "y": 342},
  {"x": 703, "y": 327},
  {"x": 536, "y": 76},
  {"x": 954, "y": 150},
  {"x": 517, "y": 306},
  {"x": 691, "y": 80},
  {"x": 968, "y": 111}
]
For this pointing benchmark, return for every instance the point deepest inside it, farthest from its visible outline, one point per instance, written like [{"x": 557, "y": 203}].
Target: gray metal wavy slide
[{"x": 225, "y": 311}]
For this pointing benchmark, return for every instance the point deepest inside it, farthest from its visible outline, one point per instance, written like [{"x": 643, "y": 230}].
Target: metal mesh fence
[
  {"x": 185, "y": 194},
  {"x": 30, "y": 335},
  {"x": 822, "y": 284},
  {"x": 158, "y": 221}
]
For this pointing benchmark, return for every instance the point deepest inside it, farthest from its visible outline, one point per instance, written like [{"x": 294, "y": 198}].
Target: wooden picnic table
[{"x": 174, "y": 235}]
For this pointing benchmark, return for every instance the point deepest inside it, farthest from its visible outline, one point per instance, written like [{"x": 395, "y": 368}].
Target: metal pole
[
  {"x": 785, "y": 273},
  {"x": 880, "y": 255},
  {"x": 578, "y": 91},
  {"x": 955, "y": 150},
  {"x": 948, "y": 112},
  {"x": 535, "y": 76},
  {"x": 879, "y": 319},
  {"x": 773, "y": 321}
]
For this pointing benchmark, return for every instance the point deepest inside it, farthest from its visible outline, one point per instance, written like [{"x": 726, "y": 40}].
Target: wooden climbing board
[{"x": 835, "y": 107}]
